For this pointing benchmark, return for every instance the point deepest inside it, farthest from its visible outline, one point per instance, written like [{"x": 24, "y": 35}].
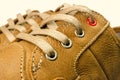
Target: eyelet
[
  {"x": 68, "y": 45},
  {"x": 90, "y": 22},
  {"x": 82, "y": 34},
  {"x": 51, "y": 55}
]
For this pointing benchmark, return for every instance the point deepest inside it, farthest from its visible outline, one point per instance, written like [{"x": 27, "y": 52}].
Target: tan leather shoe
[
  {"x": 80, "y": 46},
  {"x": 23, "y": 23}
]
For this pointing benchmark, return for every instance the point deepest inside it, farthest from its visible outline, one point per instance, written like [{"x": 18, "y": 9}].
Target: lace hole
[
  {"x": 91, "y": 22},
  {"x": 68, "y": 44},
  {"x": 81, "y": 34},
  {"x": 51, "y": 55}
]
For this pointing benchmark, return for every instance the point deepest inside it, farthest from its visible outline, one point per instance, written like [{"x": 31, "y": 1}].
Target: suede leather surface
[
  {"x": 108, "y": 55},
  {"x": 96, "y": 56},
  {"x": 10, "y": 62}
]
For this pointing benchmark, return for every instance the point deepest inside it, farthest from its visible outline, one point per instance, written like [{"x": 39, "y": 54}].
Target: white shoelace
[
  {"x": 35, "y": 36},
  {"x": 12, "y": 25},
  {"x": 66, "y": 13},
  {"x": 48, "y": 20}
]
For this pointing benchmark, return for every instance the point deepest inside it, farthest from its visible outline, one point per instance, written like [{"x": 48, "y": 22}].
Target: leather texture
[{"x": 96, "y": 56}]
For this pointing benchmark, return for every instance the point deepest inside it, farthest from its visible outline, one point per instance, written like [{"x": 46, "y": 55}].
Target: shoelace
[
  {"x": 42, "y": 44},
  {"x": 68, "y": 9},
  {"x": 12, "y": 25},
  {"x": 35, "y": 36},
  {"x": 52, "y": 32}
]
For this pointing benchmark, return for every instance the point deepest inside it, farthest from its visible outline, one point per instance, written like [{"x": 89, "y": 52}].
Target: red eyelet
[{"x": 94, "y": 23}]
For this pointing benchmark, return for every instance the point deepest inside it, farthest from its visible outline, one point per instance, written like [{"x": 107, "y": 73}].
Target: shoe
[
  {"x": 80, "y": 46},
  {"x": 23, "y": 23}
]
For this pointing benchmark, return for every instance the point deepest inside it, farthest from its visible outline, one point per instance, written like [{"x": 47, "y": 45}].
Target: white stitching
[
  {"x": 34, "y": 67},
  {"x": 40, "y": 62},
  {"x": 21, "y": 68},
  {"x": 33, "y": 64},
  {"x": 22, "y": 63}
]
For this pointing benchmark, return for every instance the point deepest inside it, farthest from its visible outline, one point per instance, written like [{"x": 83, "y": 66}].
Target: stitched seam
[
  {"x": 99, "y": 64},
  {"x": 90, "y": 42},
  {"x": 87, "y": 45},
  {"x": 33, "y": 64},
  {"x": 39, "y": 63},
  {"x": 22, "y": 64},
  {"x": 21, "y": 68},
  {"x": 34, "y": 67}
]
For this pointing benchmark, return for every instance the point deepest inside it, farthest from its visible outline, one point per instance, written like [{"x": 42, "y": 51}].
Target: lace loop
[
  {"x": 65, "y": 5},
  {"x": 8, "y": 34},
  {"x": 18, "y": 27},
  {"x": 42, "y": 44},
  {"x": 66, "y": 18},
  {"x": 30, "y": 13},
  {"x": 33, "y": 23},
  {"x": 18, "y": 24},
  {"x": 20, "y": 18},
  {"x": 36, "y": 13},
  {"x": 52, "y": 33},
  {"x": 79, "y": 8},
  {"x": 10, "y": 22},
  {"x": 75, "y": 8}
]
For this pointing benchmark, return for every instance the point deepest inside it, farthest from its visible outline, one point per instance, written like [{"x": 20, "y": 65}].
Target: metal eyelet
[
  {"x": 91, "y": 21},
  {"x": 82, "y": 34},
  {"x": 51, "y": 55},
  {"x": 68, "y": 44}
]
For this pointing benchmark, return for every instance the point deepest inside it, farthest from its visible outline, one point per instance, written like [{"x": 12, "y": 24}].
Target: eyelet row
[{"x": 53, "y": 54}]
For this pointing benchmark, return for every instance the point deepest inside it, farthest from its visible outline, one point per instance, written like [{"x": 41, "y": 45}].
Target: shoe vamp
[{"x": 11, "y": 62}]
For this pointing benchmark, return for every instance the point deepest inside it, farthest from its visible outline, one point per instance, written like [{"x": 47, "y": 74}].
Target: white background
[{"x": 9, "y": 8}]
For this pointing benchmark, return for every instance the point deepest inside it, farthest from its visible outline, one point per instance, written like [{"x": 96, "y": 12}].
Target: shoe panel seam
[
  {"x": 100, "y": 65},
  {"x": 22, "y": 62},
  {"x": 86, "y": 46}
]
